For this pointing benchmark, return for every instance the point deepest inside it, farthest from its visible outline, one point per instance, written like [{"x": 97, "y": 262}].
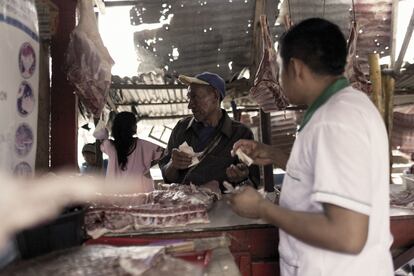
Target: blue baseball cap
[{"x": 206, "y": 78}]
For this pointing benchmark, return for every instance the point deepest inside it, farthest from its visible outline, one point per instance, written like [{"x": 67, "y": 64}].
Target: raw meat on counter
[
  {"x": 175, "y": 205},
  {"x": 402, "y": 136},
  {"x": 100, "y": 221},
  {"x": 403, "y": 116},
  {"x": 27, "y": 197},
  {"x": 105, "y": 260},
  {"x": 402, "y": 199},
  {"x": 266, "y": 91},
  {"x": 88, "y": 61},
  {"x": 353, "y": 71}
]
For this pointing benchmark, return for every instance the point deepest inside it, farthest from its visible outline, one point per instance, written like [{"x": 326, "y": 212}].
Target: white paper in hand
[
  {"x": 184, "y": 147},
  {"x": 244, "y": 157},
  {"x": 100, "y": 131},
  {"x": 229, "y": 187}
]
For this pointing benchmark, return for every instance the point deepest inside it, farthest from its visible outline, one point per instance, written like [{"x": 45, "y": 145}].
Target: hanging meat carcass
[
  {"x": 266, "y": 91},
  {"x": 88, "y": 62},
  {"x": 353, "y": 71}
]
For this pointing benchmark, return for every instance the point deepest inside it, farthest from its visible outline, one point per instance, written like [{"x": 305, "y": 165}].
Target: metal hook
[
  {"x": 290, "y": 12},
  {"x": 353, "y": 11},
  {"x": 324, "y": 4}
]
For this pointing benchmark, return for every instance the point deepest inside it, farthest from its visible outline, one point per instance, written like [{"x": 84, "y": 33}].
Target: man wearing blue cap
[{"x": 211, "y": 133}]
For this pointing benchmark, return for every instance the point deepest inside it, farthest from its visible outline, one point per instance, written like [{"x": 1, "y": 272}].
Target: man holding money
[{"x": 199, "y": 149}]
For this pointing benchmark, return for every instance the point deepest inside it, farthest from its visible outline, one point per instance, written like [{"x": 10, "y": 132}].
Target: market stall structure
[{"x": 230, "y": 46}]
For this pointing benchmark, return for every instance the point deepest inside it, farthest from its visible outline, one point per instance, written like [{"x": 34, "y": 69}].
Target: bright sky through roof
[
  {"x": 118, "y": 36},
  {"x": 405, "y": 9}
]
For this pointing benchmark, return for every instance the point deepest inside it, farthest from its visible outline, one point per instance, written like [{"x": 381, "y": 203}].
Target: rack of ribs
[
  {"x": 267, "y": 92},
  {"x": 353, "y": 71},
  {"x": 177, "y": 205}
]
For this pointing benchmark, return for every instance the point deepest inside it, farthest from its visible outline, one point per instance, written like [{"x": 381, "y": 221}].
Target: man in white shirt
[{"x": 333, "y": 213}]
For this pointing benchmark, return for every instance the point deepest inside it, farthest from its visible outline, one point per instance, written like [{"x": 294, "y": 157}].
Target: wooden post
[
  {"x": 266, "y": 131},
  {"x": 63, "y": 100},
  {"x": 98, "y": 152},
  {"x": 388, "y": 86},
  {"x": 375, "y": 76},
  {"x": 265, "y": 126},
  {"x": 394, "y": 21},
  {"x": 43, "y": 116}
]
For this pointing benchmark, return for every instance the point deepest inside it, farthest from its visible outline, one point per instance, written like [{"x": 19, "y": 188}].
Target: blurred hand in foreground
[{"x": 28, "y": 202}]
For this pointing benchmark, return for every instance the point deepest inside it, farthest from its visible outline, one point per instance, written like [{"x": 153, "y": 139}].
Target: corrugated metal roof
[
  {"x": 406, "y": 80},
  {"x": 147, "y": 98},
  {"x": 373, "y": 18},
  {"x": 283, "y": 128},
  {"x": 206, "y": 34},
  {"x": 209, "y": 34},
  {"x": 47, "y": 15},
  {"x": 151, "y": 100}
]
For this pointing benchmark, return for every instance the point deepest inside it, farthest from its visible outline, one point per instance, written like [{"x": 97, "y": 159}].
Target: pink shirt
[{"x": 138, "y": 165}]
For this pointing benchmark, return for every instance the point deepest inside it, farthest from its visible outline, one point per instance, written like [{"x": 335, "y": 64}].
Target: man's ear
[
  {"x": 297, "y": 68},
  {"x": 217, "y": 93}
]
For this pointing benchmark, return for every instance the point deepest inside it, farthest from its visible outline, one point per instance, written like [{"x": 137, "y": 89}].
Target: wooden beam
[
  {"x": 388, "y": 89},
  {"x": 120, "y": 3},
  {"x": 405, "y": 44},
  {"x": 150, "y": 118},
  {"x": 147, "y": 86},
  {"x": 149, "y": 104},
  {"x": 42, "y": 152},
  {"x": 394, "y": 21},
  {"x": 375, "y": 77},
  {"x": 260, "y": 8},
  {"x": 403, "y": 99}
]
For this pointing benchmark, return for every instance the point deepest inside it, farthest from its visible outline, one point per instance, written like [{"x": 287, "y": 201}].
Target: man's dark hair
[{"x": 319, "y": 43}]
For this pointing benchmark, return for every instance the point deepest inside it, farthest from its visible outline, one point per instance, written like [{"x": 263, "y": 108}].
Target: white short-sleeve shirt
[{"x": 340, "y": 157}]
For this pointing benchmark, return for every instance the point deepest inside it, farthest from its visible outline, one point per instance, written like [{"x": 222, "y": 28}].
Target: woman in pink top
[{"x": 130, "y": 157}]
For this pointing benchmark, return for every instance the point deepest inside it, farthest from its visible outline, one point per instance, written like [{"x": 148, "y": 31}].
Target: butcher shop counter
[
  {"x": 402, "y": 229},
  {"x": 253, "y": 242}
]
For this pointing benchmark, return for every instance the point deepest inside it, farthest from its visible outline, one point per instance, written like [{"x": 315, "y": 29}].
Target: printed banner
[{"x": 19, "y": 85}]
